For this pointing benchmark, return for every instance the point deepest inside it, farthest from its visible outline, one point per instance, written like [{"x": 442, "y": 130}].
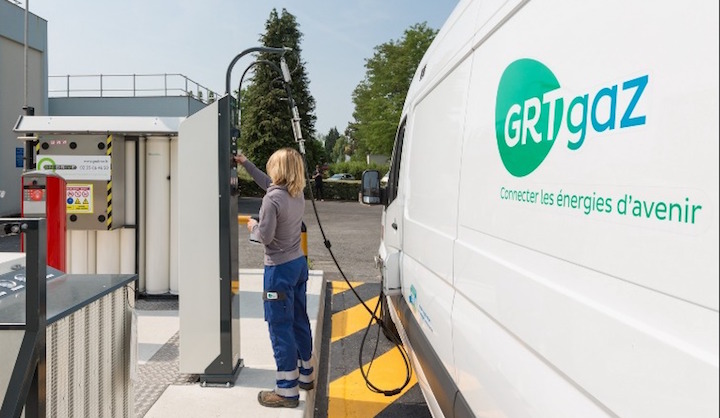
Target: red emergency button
[{"x": 37, "y": 195}]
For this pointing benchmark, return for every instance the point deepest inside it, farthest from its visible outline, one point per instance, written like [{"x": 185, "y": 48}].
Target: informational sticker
[
  {"x": 19, "y": 156},
  {"x": 77, "y": 167},
  {"x": 79, "y": 198}
]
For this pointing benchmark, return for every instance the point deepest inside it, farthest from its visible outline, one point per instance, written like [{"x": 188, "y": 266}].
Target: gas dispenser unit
[
  {"x": 208, "y": 244},
  {"x": 207, "y": 234}
]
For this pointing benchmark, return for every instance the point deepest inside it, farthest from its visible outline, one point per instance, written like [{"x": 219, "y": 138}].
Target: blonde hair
[{"x": 286, "y": 168}]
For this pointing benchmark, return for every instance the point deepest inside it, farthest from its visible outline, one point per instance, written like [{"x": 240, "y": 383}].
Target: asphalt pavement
[{"x": 352, "y": 229}]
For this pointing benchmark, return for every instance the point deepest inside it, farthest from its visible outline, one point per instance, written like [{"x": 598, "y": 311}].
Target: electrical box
[{"x": 93, "y": 166}]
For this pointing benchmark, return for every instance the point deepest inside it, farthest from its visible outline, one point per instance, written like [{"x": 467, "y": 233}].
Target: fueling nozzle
[{"x": 253, "y": 238}]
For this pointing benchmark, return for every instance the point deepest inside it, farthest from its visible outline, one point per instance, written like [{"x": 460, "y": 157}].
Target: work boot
[
  {"x": 307, "y": 386},
  {"x": 272, "y": 400}
]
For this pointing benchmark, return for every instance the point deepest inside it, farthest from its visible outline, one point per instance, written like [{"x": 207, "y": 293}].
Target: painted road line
[
  {"x": 351, "y": 320},
  {"x": 349, "y": 396},
  {"x": 338, "y": 286}
]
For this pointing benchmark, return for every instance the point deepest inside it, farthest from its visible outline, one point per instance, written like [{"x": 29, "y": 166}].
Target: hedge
[
  {"x": 333, "y": 190},
  {"x": 355, "y": 168}
]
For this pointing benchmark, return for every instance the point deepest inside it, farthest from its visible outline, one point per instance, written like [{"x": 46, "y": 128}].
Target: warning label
[{"x": 79, "y": 198}]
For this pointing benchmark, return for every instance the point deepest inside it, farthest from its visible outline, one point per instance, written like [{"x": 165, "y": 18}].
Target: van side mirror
[{"x": 370, "y": 193}]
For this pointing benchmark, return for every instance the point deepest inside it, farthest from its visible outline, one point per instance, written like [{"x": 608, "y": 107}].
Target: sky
[{"x": 199, "y": 39}]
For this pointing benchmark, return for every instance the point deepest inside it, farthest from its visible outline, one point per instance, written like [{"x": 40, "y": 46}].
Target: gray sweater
[{"x": 280, "y": 219}]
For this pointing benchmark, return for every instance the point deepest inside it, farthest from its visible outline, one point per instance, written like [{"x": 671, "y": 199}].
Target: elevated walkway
[{"x": 162, "y": 392}]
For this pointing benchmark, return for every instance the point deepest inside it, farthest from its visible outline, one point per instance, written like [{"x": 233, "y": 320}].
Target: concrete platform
[{"x": 157, "y": 361}]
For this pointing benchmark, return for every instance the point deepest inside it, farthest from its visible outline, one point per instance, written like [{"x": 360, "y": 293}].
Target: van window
[{"x": 394, "y": 177}]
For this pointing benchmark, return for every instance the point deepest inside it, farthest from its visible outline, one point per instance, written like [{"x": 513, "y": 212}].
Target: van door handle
[{"x": 394, "y": 225}]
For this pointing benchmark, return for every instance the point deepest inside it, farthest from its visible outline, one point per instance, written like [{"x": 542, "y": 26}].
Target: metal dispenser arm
[
  {"x": 269, "y": 50},
  {"x": 297, "y": 132}
]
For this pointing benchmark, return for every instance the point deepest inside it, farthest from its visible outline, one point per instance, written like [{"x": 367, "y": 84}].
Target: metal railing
[{"x": 128, "y": 85}]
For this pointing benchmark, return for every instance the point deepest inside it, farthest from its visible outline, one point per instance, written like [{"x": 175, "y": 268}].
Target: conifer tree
[
  {"x": 264, "y": 112},
  {"x": 330, "y": 139}
]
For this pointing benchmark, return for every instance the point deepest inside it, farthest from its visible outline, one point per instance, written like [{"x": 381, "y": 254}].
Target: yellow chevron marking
[
  {"x": 351, "y": 320},
  {"x": 338, "y": 287},
  {"x": 349, "y": 397}
]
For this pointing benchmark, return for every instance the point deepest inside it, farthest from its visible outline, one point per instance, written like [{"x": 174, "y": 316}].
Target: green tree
[
  {"x": 380, "y": 96},
  {"x": 330, "y": 139},
  {"x": 338, "y": 151},
  {"x": 265, "y": 116}
]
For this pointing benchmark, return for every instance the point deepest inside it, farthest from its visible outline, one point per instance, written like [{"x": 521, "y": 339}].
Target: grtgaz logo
[
  {"x": 525, "y": 133},
  {"x": 531, "y": 114}
]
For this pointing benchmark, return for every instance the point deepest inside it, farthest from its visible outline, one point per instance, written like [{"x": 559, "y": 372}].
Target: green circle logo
[
  {"x": 528, "y": 114},
  {"x": 46, "y": 164}
]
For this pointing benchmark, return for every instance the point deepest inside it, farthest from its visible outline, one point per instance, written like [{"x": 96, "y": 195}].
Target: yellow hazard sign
[{"x": 79, "y": 198}]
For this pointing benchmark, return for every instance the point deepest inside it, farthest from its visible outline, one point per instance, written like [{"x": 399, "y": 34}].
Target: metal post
[
  {"x": 25, "y": 50},
  {"x": 36, "y": 311},
  {"x": 68, "y": 86},
  {"x": 26, "y": 388},
  {"x": 134, "y": 89},
  {"x": 101, "y": 86},
  {"x": 29, "y": 144},
  {"x": 29, "y": 110},
  {"x": 303, "y": 239}
]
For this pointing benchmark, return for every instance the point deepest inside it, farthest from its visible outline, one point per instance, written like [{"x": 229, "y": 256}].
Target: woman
[{"x": 286, "y": 274}]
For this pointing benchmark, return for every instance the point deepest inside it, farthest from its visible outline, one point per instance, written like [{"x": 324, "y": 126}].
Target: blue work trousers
[{"x": 285, "y": 303}]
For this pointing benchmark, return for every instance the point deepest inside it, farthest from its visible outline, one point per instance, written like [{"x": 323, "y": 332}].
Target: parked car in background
[
  {"x": 341, "y": 176},
  {"x": 384, "y": 179}
]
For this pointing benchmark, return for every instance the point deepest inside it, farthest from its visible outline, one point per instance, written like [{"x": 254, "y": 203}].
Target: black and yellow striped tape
[{"x": 108, "y": 152}]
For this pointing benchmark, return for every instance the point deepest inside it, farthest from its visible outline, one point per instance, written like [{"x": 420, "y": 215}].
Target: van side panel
[
  {"x": 499, "y": 375},
  {"x": 433, "y": 168},
  {"x": 649, "y": 179},
  {"x": 586, "y": 256},
  {"x": 434, "y": 173}
]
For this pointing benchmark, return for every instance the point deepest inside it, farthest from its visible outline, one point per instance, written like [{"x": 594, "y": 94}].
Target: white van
[{"x": 550, "y": 232}]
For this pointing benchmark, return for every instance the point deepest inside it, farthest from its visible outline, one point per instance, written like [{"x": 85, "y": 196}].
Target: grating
[
  {"x": 88, "y": 363},
  {"x": 161, "y": 371}
]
